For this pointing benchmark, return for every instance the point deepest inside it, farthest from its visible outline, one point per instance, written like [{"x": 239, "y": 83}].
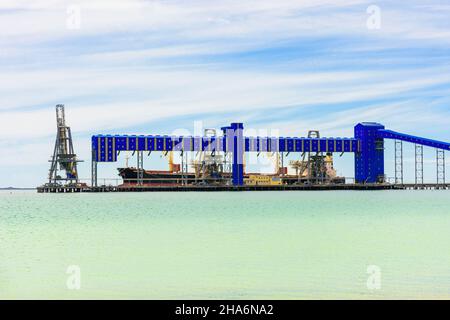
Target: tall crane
[{"x": 64, "y": 157}]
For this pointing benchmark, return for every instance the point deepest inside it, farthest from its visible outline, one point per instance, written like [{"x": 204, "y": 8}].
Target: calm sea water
[{"x": 290, "y": 245}]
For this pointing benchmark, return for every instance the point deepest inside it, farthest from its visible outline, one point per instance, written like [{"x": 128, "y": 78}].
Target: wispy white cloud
[{"x": 175, "y": 93}]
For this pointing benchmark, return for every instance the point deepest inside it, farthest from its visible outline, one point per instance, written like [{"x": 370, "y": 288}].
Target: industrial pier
[{"x": 221, "y": 164}]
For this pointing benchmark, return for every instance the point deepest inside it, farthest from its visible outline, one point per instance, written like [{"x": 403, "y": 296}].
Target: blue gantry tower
[{"x": 369, "y": 161}]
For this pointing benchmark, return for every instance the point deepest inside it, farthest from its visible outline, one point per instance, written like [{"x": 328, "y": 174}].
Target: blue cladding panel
[
  {"x": 339, "y": 146},
  {"x": 346, "y": 145},
  {"x": 205, "y": 144},
  {"x": 298, "y": 145},
  {"x": 177, "y": 141},
  {"x": 110, "y": 149},
  {"x": 192, "y": 145},
  {"x": 274, "y": 144},
  {"x": 159, "y": 143},
  {"x": 254, "y": 144},
  {"x": 151, "y": 144},
  {"x": 315, "y": 145},
  {"x": 168, "y": 144},
  {"x": 281, "y": 144},
  {"x": 132, "y": 143},
  {"x": 262, "y": 144},
  {"x": 290, "y": 145},
  {"x": 120, "y": 143},
  {"x": 102, "y": 149},
  {"x": 186, "y": 142},
  {"x": 369, "y": 162},
  {"x": 94, "y": 148},
  {"x": 141, "y": 143},
  {"x": 229, "y": 143},
  {"x": 355, "y": 146},
  {"x": 330, "y": 144},
  {"x": 323, "y": 145},
  {"x": 197, "y": 143},
  {"x": 308, "y": 145}
]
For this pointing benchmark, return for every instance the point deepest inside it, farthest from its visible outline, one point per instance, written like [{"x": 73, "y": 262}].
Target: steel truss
[
  {"x": 93, "y": 170},
  {"x": 64, "y": 157},
  {"x": 440, "y": 166},
  {"x": 398, "y": 162},
  {"x": 419, "y": 164},
  {"x": 140, "y": 167}
]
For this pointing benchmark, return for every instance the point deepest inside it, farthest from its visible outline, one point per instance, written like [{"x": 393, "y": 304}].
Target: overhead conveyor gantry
[
  {"x": 419, "y": 142},
  {"x": 105, "y": 148},
  {"x": 368, "y": 146},
  {"x": 389, "y": 134},
  {"x": 369, "y": 162}
]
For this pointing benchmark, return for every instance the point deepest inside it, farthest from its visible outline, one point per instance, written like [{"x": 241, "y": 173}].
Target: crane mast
[{"x": 64, "y": 157}]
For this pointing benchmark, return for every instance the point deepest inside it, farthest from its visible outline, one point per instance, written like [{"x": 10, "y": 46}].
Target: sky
[{"x": 158, "y": 67}]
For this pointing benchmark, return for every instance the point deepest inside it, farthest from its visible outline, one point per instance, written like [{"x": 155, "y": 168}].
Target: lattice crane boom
[{"x": 64, "y": 157}]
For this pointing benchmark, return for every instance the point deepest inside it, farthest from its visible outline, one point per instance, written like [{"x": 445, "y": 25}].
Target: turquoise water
[{"x": 247, "y": 245}]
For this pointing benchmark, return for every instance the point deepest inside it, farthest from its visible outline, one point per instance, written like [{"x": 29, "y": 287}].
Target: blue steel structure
[
  {"x": 389, "y": 134},
  {"x": 367, "y": 145},
  {"x": 369, "y": 161},
  {"x": 236, "y": 132}
]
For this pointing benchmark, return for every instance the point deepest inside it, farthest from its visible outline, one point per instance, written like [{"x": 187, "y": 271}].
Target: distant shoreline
[{"x": 13, "y": 188}]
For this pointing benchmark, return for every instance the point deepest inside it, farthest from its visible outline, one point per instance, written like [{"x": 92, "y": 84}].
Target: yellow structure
[
  {"x": 262, "y": 180},
  {"x": 169, "y": 157}
]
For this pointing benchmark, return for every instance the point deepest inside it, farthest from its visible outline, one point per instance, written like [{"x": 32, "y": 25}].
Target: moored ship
[
  {"x": 211, "y": 171},
  {"x": 168, "y": 178},
  {"x": 214, "y": 169}
]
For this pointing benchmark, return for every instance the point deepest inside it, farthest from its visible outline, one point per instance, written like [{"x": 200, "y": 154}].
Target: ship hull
[
  {"x": 154, "y": 177},
  {"x": 168, "y": 178}
]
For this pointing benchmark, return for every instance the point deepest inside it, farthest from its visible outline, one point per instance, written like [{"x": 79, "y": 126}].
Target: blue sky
[{"x": 146, "y": 67}]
